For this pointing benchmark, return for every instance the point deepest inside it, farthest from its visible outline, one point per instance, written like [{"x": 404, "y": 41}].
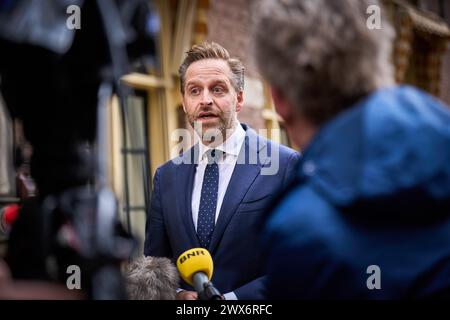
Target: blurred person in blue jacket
[{"x": 368, "y": 216}]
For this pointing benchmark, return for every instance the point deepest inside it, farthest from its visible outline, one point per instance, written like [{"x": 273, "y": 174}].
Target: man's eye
[
  {"x": 218, "y": 90},
  {"x": 194, "y": 91}
]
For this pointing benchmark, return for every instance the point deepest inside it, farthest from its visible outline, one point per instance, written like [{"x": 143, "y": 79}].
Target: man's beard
[{"x": 214, "y": 133}]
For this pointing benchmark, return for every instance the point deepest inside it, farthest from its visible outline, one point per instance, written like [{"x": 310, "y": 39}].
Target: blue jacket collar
[{"x": 394, "y": 143}]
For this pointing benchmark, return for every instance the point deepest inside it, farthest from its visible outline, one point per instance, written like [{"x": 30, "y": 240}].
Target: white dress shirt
[{"x": 230, "y": 148}]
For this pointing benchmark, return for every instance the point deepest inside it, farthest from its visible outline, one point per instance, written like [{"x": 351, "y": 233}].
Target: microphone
[
  {"x": 196, "y": 268},
  {"x": 151, "y": 278}
]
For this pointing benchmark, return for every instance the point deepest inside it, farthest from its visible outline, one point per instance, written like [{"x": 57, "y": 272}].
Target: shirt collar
[{"x": 231, "y": 146}]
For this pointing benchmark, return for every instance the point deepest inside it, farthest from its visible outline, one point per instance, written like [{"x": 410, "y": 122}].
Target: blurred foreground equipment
[{"x": 58, "y": 81}]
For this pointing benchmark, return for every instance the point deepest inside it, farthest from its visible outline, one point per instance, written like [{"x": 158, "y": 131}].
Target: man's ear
[
  {"x": 282, "y": 106},
  {"x": 240, "y": 100},
  {"x": 184, "y": 106}
]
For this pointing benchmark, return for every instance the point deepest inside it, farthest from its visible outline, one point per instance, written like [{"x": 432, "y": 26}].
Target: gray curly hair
[
  {"x": 151, "y": 278},
  {"x": 320, "y": 54}
]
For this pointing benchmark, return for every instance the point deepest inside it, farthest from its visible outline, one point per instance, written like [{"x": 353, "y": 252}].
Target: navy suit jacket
[{"x": 236, "y": 244}]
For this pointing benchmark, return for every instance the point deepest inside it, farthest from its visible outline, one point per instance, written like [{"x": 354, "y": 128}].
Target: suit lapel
[
  {"x": 245, "y": 172},
  {"x": 185, "y": 176}
]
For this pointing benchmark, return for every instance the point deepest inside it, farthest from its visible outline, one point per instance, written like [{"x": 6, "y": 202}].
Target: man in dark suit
[{"x": 215, "y": 194}]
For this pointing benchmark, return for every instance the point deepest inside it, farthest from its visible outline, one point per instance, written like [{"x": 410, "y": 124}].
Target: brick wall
[
  {"x": 229, "y": 25},
  {"x": 433, "y": 5}
]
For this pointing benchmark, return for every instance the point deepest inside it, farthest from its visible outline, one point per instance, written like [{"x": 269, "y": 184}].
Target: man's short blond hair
[{"x": 212, "y": 50}]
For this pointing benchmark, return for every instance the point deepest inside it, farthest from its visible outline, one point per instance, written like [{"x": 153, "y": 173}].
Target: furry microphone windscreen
[{"x": 151, "y": 278}]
